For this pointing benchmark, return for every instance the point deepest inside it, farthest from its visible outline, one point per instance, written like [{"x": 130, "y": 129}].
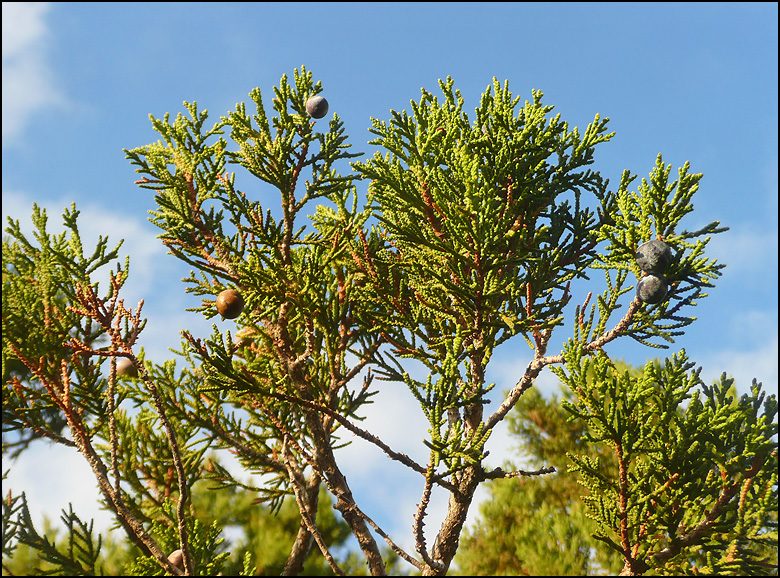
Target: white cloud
[
  {"x": 759, "y": 363},
  {"x": 754, "y": 331},
  {"x": 22, "y": 26},
  {"x": 745, "y": 250},
  {"x": 52, "y": 476},
  {"x": 754, "y": 327},
  {"x": 28, "y": 82}
]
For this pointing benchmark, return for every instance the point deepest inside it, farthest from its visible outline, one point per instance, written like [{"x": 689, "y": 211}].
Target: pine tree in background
[{"x": 471, "y": 234}]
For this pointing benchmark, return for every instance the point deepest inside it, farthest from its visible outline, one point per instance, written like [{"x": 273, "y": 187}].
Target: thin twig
[
  {"x": 417, "y": 527},
  {"x": 499, "y": 473}
]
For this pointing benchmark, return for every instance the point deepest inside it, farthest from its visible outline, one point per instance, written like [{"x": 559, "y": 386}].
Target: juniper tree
[{"x": 470, "y": 232}]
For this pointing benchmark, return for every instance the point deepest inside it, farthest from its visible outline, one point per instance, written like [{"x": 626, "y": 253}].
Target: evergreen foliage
[
  {"x": 540, "y": 526},
  {"x": 682, "y": 473},
  {"x": 471, "y": 234}
]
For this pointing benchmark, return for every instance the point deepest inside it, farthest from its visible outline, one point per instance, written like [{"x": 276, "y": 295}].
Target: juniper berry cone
[
  {"x": 317, "y": 107},
  {"x": 126, "y": 367},
  {"x": 653, "y": 256},
  {"x": 652, "y": 288},
  {"x": 230, "y": 304}
]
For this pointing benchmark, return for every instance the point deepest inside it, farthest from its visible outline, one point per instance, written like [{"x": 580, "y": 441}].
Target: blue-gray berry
[
  {"x": 653, "y": 256},
  {"x": 652, "y": 288},
  {"x": 317, "y": 107}
]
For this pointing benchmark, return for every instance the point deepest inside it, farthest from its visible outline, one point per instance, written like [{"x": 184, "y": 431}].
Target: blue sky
[{"x": 694, "y": 81}]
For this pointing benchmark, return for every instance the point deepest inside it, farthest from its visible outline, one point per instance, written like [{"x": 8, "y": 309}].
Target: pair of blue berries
[{"x": 653, "y": 258}]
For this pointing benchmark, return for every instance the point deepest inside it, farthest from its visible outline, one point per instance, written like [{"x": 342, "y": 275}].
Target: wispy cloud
[
  {"x": 746, "y": 250},
  {"x": 28, "y": 83},
  {"x": 758, "y": 362},
  {"x": 48, "y": 495}
]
